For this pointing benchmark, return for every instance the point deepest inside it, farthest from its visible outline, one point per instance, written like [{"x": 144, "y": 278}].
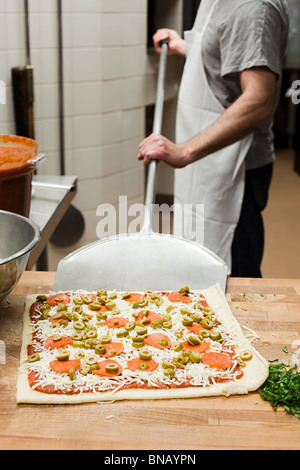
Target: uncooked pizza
[{"x": 81, "y": 347}]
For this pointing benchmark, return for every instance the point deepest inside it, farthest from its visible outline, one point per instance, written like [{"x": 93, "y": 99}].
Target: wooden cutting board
[{"x": 269, "y": 307}]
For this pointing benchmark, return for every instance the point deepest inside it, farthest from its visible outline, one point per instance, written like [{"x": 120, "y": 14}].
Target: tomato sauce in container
[{"x": 18, "y": 161}]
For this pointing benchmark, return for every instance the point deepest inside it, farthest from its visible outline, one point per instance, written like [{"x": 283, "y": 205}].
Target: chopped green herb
[
  {"x": 285, "y": 349},
  {"x": 262, "y": 295},
  {"x": 282, "y": 388}
]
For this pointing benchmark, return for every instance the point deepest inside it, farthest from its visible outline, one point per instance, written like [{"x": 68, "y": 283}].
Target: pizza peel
[{"x": 143, "y": 260}]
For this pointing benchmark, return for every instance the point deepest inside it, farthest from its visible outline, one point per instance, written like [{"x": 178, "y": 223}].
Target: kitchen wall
[{"x": 109, "y": 80}]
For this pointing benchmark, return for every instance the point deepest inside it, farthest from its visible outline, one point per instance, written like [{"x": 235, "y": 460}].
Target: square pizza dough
[{"x": 254, "y": 374}]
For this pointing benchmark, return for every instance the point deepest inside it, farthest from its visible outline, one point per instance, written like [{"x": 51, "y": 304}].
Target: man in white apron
[{"x": 224, "y": 147}]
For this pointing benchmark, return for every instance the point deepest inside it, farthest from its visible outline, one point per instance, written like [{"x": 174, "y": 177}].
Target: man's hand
[
  {"x": 157, "y": 147},
  {"x": 176, "y": 43}
]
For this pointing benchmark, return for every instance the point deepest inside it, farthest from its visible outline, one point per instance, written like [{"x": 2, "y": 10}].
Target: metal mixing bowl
[{"x": 18, "y": 237}]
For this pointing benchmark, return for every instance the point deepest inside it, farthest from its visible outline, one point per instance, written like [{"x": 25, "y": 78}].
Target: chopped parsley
[{"x": 282, "y": 388}]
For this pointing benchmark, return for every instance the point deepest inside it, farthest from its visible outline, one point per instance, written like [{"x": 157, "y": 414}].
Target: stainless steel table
[{"x": 51, "y": 198}]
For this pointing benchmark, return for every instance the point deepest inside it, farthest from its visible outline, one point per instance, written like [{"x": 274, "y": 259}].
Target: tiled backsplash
[{"x": 109, "y": 78}]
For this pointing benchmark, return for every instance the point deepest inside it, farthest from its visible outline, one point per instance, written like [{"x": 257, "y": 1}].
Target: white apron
[{"x": 208, "y": 193}]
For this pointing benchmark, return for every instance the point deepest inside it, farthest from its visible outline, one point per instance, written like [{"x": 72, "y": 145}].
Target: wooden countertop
[{"x": 270, "y": 307}]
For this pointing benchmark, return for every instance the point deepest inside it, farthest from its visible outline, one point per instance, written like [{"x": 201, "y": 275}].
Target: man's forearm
[{"x": 238, "y": 121}]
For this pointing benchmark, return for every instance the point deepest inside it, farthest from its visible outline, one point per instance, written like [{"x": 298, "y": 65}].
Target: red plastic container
[{"x": 18, "y": 161}]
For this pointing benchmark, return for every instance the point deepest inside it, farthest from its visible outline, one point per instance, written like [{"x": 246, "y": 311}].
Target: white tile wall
[{"x": 109, "y": 79}]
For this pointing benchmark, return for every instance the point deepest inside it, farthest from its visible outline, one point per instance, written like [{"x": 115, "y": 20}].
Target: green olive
[
  {"x": 185, "y": 311},
  {"x": 122, "y": 333},
  {"x": 100, "y": 349},
  {"x": 112, "y": 296},
  {"x": 112, "y": 367},
  {"x": 195, "y": 357},
  {"x": 95, "y": 306},
  {"x": 130, "y": 326},
  {"x": 57, "y": 315},
  {"x": 169, "y": 372},
  {"x": 105, "y": 339},
  {"x": 215, "y": 335},
  {"x": 94, "y": 367},
  {"x": 78, "y": 301},
  {"x": 101, "y": 292},
  {"x": 61, "y": 308},
  {"x": 187, "y": 321},
  {"x": 177, "y": 346},
  {"x": 145, "y": 354},
  {"x": 78, "y": 344},
  {"x": 91, "y": 334},
  {"x": 141, "y": 331},
  {"x": 79, "y": 325},
  {"x": 193, "y": 340},
  {"x": 167, "y": 324},
  {"x": 196, "y": 317},
  {"x": 163, "y": 342},
  {"x": 90, "y": 360},
  {"x": 143, "y": 366},
  {"x": 34, "y": 358},
  {"x": 80, "y": 355},
  {"x": 184, "y": 290},
  {"x": 125, "y": 295},
  {"x": 156, "y": 324},
  {"x": 57, "y": 337},
  {"x": 246, "y": 355},
  {"x": 87, "y": 299},
  {"x": 101, "y": 316},
  {"x": 143, "y": 302},
  {"x": 41, "y": 297},
  {"x": 203, "y": 335},
  {"x": 84, "y": 369},
  {"x": 138, "y": 339},
  {"x": 167, "y": 365},
  {"x": 207, "y": 323},
  {"x": 77, "y": 336},
  {"x": 112, "y": 306},
  {"x": 63, "y": 356},
  {"x": 72, "y": 374},
  {"x": 137, "y": 345}
]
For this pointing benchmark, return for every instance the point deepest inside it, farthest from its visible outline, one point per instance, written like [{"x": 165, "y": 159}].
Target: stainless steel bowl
[{"x": 18, "y": 237}]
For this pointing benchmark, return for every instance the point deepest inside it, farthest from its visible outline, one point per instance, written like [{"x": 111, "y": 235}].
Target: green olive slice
[
  {"x": 130, "y": 326},
  {"x": 63, "y": 356},
  {"x": 100, "y": 349},
  {"x": 246, "y": 355},
  {"x": 215, "y": 335},
  {"x": 143, "y": 366},
  {"x": 80, "y": 355},
  {"x": 72, "y": 374},
  {"x": 163, "y": 342},
  {"x": 90, "y": 360},
  {"x": 207, "y": 323},
  {"x": 34, "y": 358},
  {"x": 105, "y": 339},
  {"x": 145, "y": 354},
  {"x": 177, "y": 346},
  {"x": 195, "y": 357},
  {"x": 169, "y": 372},
  {"x": 186, "y": 321},
  {"x": 193, "y": 340},
  {"x": 79, "y": 325},
  {"x": 95, "y": 306},
  {"x": 57, "y": 315},
  {"x": 111, "y": 367}
]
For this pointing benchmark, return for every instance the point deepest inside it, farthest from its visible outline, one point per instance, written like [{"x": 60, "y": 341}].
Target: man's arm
[{"x": 249, "y": 111}]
